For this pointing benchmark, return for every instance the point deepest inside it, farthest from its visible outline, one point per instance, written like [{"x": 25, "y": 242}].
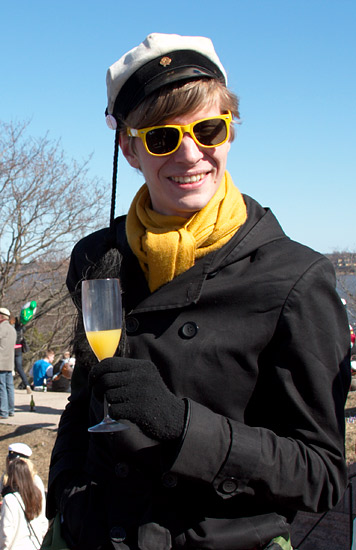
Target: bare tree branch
[{"x": 47, "y": 203}]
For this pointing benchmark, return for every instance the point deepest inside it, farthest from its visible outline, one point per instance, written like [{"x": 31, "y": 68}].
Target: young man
[
  {"x": 234, "y": 366},
  {"x": 42, "y": 369}
]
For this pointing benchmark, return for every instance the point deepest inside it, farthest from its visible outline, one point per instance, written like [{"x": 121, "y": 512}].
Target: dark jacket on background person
[
  {"x": 21, "y": 344},
  {"x": 254, "y": 336},
  {"x": 60, "y": 383}
]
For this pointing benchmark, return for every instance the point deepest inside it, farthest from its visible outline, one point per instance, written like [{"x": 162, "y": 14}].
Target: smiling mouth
[{"x": 188, "y": 179}]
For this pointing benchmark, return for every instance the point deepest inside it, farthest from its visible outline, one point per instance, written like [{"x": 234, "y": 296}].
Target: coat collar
[{"x": 260, "y": 228}]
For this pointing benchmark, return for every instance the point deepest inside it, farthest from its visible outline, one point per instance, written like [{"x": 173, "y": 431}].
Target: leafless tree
[
  {"x": 46, "y": 204},
  {"x": 344, "y": 263}
]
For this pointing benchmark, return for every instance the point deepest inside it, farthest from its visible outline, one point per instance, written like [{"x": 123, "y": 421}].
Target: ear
[{"x": 128, "y": 150}]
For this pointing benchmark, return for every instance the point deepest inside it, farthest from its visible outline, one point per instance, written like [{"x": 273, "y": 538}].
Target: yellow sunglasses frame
[{"x": 182, "y": 129}]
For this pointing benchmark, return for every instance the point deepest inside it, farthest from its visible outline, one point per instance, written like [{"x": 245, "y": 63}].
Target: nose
[{"x": 188, "y": 151}]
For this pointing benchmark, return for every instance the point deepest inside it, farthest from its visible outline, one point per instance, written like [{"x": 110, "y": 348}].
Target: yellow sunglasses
[{"x": 165, "y": 140}]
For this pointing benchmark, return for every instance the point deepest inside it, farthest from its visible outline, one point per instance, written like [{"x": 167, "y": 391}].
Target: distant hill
[{"x": 343, "y": 262}]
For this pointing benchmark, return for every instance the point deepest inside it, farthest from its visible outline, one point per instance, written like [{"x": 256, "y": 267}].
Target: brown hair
[
  {"x": 20, "y": 479},
  {"x": 173, "y": 100}
]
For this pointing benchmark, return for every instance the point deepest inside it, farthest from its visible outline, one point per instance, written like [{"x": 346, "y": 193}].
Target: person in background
[
  {"x": 20, "y": 347},
  {"x": 42, "y": 370},
  {"x": 234, "y": 365},
  {"x": 23, "y": 523},
  {"x": 7, "y": 362},
  {"x": 353, "y": 373},
  {"x": 62, "y": 373},
  {"x": 21, "y": 450}
]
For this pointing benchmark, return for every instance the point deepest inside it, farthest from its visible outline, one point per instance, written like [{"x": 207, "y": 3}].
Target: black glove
[{"x": 135, "y": 391}]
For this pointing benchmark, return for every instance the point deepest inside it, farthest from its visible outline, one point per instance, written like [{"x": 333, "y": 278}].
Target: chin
[{"x": 194, "y": 205}]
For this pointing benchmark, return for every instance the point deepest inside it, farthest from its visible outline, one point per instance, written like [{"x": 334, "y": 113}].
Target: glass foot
[{"x": 108, "y": 425}]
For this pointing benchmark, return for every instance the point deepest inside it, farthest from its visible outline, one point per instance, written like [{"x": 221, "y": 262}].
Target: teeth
[{"x": 188, "y": 179}]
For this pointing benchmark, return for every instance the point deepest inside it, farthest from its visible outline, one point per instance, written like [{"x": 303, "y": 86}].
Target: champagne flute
[{"x": 102, "y": 317}]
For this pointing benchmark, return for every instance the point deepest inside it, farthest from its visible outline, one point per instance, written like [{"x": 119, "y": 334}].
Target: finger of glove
[
  {"x": 141, "y": 372},
  {"x": 157, "y": 421},
  {"x": 117, "y": 364},
  {"x": 132, "y": 393},
  {"x": 112, "y": 383},
  {"x": 136, "y": 385},
  {"x": 112, "y": 364}
]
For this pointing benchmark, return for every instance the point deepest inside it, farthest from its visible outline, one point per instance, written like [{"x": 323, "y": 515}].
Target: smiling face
[{"x": 184, "y": 182}]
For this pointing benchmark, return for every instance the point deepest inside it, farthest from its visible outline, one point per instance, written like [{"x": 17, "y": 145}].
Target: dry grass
[{"x": 350, "y": 418}]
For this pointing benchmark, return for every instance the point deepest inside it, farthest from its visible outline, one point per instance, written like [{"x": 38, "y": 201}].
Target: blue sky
[{"x": 291, "y": 62}]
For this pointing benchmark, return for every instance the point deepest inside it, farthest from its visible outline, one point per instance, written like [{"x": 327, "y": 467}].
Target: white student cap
[
  {"x": 159, "y": 60},
  {"x": 20, "y": 449}
]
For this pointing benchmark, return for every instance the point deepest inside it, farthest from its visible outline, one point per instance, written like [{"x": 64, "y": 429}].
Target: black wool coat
[{"x": 256, "y": 338}]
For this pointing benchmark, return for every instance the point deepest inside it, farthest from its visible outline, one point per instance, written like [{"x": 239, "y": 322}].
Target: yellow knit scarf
[{"x": 168, "y": 245}]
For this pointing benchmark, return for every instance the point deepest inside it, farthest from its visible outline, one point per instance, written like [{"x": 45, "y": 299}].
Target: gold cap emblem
[{"x": 165, "y": 61}]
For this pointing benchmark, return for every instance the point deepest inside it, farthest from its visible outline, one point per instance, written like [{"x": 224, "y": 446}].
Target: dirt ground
[
  {"x": 40, "y": 440},
  {"x": 350, "y": 418}
]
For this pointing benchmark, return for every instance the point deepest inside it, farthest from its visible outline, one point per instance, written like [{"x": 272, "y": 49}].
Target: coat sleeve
[
  {"x": 71, "y": 447},
  {"x": 292, "y": 451},
  {"x": 9, "y": 520}
]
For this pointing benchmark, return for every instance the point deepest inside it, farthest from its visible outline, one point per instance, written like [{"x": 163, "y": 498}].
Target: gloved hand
[{"x": 135, "y": 391}]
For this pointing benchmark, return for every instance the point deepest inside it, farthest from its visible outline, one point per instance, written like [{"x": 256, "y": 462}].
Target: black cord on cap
[{"x": 114, "y": 180}]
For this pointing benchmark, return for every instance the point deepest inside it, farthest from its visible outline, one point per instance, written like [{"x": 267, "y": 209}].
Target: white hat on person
[
  {"x": 159, "y": 60},
  {"x": 20, "y": 449},
  {"x": 5, "y": 311}
]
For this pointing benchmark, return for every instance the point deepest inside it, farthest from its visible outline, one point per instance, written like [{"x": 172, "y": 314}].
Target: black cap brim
[{"x": 174, "y": 67}]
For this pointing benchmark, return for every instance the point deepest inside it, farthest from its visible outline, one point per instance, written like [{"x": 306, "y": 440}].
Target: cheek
[
  {"x": 150, "y": 166},
  {"x": 225, "y": 152},
  {"x": 220, "y": 156}
]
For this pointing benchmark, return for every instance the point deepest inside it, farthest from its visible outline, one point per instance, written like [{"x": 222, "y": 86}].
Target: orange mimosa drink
[{"x": 104, "y": 342}]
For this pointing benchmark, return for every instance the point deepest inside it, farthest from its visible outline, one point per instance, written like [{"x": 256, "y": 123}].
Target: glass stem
[{"x": 106, "y": 408}]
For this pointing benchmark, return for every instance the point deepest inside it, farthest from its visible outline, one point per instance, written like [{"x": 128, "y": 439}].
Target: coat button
[
  {"x": 121, "y": 470},
  {"x": 169, "y": 480},
  {"x": 229, "y": 486},
  {"x": 189, "y": 330},
  {"x": 132, "y": 324},
  {"x": 117, "y": 534}
]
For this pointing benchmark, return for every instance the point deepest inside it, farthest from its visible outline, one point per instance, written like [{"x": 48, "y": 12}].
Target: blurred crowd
[{"x": 46, "y": 373}]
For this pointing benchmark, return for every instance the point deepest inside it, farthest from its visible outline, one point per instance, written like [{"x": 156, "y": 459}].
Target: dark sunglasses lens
[
  {"x": 211, "y": 132},
  {"x": 162, "y": 140}
]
